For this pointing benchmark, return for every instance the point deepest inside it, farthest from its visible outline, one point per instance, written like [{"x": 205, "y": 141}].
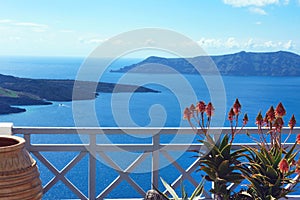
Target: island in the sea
[
  {"x": 15, "y": 91},
  {"x": 279, "y": 63}
]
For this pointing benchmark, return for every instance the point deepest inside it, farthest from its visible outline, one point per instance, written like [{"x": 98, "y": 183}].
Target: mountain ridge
[{"x": 280, "y": 63}]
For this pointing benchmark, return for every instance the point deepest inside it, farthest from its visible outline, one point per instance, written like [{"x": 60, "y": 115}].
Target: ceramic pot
[{"x": 19, "y": 175}]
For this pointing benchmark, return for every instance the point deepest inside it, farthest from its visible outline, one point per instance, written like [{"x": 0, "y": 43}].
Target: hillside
[
  {"x": 16, "y": 91},
  {"x": 279, "y": 63}
]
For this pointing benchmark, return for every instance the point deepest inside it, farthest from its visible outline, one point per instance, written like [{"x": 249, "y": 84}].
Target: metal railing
[{"x": 154, "y": 150}]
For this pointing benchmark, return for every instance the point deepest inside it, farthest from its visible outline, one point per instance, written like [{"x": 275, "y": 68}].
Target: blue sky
[{"x": 76, "y": 28}]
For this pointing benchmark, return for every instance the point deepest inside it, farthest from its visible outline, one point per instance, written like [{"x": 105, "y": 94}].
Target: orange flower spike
[
  {"x": 245, "y": 119},
  {"x": 298, "y": 167},
  {"x": 270, "y": 114},
  {"x": 265, "y": 120},
  {"x": 284, "y": 166},
  {"x": 192, "y": 108},
  {"x": 292, "y": 122},
  {"x": 200, "y": 107},
  {"x": 209, "y": 109},
  {"x": 298, "y": 142},
  {"x": 187, "y": 114},
  {"x": 279, "y": 123},
  {"x": 297, "y": 170},
  {"x": 259, "y": 119},
  {"x": 237, "y": 107},
  {"x": 231, "y": 115},
  {"x": 280, "y": 110}
]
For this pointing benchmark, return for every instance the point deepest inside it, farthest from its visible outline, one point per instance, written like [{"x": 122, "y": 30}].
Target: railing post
[
  {"x": 155, "y": 159},
  {"x": 6, "y": 128},
  {"x": 92, "y": 167}
]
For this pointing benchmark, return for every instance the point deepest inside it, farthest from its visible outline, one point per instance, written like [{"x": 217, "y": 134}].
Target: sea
[{"x": 132, "y": 109}]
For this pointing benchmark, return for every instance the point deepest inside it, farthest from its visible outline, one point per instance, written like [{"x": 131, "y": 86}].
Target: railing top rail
[{"x": 132, "y": 130}]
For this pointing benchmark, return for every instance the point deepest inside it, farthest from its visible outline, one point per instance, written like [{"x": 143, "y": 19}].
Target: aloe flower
[
  {"x": 231, "y": 115},
  {"x": 237, "y": 107},
  {"x": 265, "y": 120},
  {"x": 187, "y": 114},
  {"x": 245, "y": 119},
  {"x": 284, "y": 166},
  {"x": 280, "y": 110},
  {"x": 298, "y": 140},
  {"x": 292, "y": 122},
  {"x": 270, "y": 114},
  {"x": 209, "y": 109},
  {"x": 192, "y": 108},
  {"x": 200, "y": 107},
  {"x": 297, "y": 170},
  {"x": 259, "y": 119},
  {"x": 278, "y": 124}
]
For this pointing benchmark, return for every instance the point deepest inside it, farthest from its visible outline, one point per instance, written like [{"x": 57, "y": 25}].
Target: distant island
[
  {"x": 279, "y": 63},
  {"x": 16, "y": 91}
]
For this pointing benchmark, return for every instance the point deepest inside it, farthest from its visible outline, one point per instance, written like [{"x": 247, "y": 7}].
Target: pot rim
[{"x": 20, "y": 142}]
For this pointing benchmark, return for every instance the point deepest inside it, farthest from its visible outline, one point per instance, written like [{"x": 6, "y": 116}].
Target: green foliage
[
  {"x": 263, "y": 172},
  {"x": 196, "y": 194},
  {"x": 221, "y": 166}
]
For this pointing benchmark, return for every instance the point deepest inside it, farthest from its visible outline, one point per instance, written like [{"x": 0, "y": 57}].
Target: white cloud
[
  {"x": 286, "y": 2},
  {"x": 210, "y": 42},
  {"x": 30, "y": 24},
  {"x": 5, "y": 21},
  {"x": 91, "y": 40},
  {"x": 231, "y": 43},
  {"x": 257, "y": 10},
  {"x": 258, "y": 23},
  {"x": 245, "y": 3},
  {"x": 66, "y": 31},
  {"x": 288, "y": 45},
  {"x": 250, "y": 44}
]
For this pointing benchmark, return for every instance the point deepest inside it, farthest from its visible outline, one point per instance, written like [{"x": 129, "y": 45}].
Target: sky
[{"x": 77, "y": 27}]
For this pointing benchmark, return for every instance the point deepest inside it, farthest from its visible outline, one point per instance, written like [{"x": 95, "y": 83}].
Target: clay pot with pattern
[{"x": 19, "y": 175}]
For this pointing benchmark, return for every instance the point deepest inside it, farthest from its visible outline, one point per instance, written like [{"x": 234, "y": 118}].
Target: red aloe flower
[
  {"x": 270, "y": 114},
  {"x": 192, "y": 108},
  {"x": 237, "y": 107},
  {"x": 209, "y": 109},
  {"x": 298, "y": 167},
  {"x": 187, "y": 114},
  {"x": 265, "y": 120},
  {"x": 231, "y": 115},
  {"x": 259, "y": 119},
  {"x": 284, "y": 166},
  {"x": 298, "y": 141},
  {"x": 200, "y": 107},
  {"x": 245, "y": 119},
  {"x": 292, "y": 122},
  {"x": 280, "y": 110},
  {"x": 278, "y": 123}
]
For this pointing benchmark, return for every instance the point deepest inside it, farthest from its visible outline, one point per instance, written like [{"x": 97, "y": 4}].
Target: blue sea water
[{"x": 137, "y": 109}]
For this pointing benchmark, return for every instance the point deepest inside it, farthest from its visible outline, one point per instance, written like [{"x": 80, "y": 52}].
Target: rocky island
[
  {"x": 16, "y": 91},
  {"x": 279, "y": 63}
]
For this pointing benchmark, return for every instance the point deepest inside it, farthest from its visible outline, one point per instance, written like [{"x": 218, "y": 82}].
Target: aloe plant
[
  {"x": 220, "y": 162},
  {"x": 196, "y": 194},
  {"x": 271, "y": 168},
  {"x": 221, "y": 167}
]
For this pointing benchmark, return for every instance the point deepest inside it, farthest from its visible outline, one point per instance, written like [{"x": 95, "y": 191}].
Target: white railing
[{"x": 153, "y": 150}]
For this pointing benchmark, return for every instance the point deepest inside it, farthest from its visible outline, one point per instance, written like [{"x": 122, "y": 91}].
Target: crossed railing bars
[{"x": 152, "y": 150}]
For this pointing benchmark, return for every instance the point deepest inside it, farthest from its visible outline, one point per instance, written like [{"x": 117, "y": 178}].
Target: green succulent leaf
[
  {"x": 223, "y": 169},
  {"x": 271, "y": 172},
  {"x": 199, "y": 190},
  {"x": 169, "y": 189},
  {"x": 224, "y": 142},
  {"x": 183, "y": 193}
]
